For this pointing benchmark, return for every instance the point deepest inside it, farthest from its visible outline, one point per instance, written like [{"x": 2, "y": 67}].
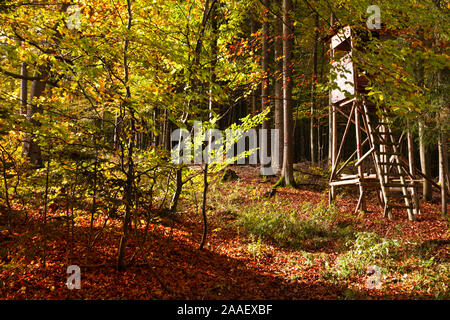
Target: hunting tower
[{"x": 377, "y": 162}]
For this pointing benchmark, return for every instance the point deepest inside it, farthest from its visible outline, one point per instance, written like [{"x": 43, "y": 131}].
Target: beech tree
[
  {"x": 288, "y": 28},
  {"x": 87, "y": 113},
  {"x": 278, "y": 79},
  {"x": 265, "y": 74}
]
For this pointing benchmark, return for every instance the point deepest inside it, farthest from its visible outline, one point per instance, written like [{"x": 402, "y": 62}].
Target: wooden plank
[
  {"x": 386, "y": 212},
  {"x": 413, "y": 190},
  {"x": 361, "y": 201},
  {"x": 396, "y": 185},
  {"x": 348, "y": 176},
  {"x": 333, "y": 137},
  {"x": 342, "y": 36},
  {"x": 344, "y": 71},
  {"x": 353, "y": 121},
  {"x": 391, "y": 164},
  {"x": 368, "y": 153},
  {"x": 405, "y": 190},
  {"x": 351, "y": 157},
  {"x": 389, "y": 153},
  {"x": 344, "y": 182},
  {"x": 335, "y": 163}
]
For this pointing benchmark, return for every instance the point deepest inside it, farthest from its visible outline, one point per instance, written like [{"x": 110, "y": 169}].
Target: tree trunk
[
  {"x": 320, "y": 141},
  {"x": 424, "y": 159},
  {"x": 330, "y": 115},
  {"x": 313, "y": 93},
  {"x": 253, "y": 95},
  {"x": 442, "y": 146},
  {"x": 128, "y": 196},
  {"x": 30, "y": 147},
  {"x": 204, "y": 198},
  {"x": 278, "y": 87},
  {"x": 178, "y": 189},
  {"x": 23, "y": 89},
  {"x": 265, "y": 81},
  {"x": 288, "y": 172},
  {"x": 411, "y": 162},
  {"x": 424, "y": 162}
]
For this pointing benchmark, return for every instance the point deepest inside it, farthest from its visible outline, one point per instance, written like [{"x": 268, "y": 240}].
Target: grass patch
[
  {"x": 311, "y": 226},
  {"x": 367, "y": 249},
  {"x": 257, "y": 249},
  {"x": 403, "y": 264}
]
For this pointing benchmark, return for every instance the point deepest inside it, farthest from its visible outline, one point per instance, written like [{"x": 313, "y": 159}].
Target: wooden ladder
[{"x": 392, "y": 173}]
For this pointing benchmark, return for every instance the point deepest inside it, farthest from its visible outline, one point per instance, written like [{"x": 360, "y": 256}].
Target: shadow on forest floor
[
  {"x": 173, "y": 255},
  {"x": 231, "y": 266}
]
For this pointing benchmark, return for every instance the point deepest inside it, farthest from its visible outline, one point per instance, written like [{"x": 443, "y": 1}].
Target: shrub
[
  {"x": 283, "y": 224},
  {"x": 270, "y": 222},
  {"x": 367, "y": 249}
]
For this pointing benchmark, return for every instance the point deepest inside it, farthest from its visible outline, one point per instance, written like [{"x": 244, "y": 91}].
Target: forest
[{"x": 224, "y": 150}]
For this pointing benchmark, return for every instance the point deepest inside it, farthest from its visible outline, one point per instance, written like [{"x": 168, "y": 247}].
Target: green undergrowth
[
  {"x": 405, "y": 264},
  {"x": 308, "y": 227}
]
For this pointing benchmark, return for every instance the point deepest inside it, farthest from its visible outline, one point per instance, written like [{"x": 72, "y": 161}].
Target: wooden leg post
[{"x": 361, "y": 202}]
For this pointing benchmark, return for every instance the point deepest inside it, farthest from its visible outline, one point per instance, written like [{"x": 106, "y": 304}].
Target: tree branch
[{"x": 18, "y": 76}]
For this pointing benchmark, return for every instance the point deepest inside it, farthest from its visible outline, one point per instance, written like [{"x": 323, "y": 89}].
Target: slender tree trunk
[
  {"x": 424, "y": 162},
  {"x": 5, "y": 180},
  {"x": 45, "y": 212},
  {"x": 23, "y": 89},
  {"x": 415, "y": 200},
  {"x": 278, "y": 82},
  {"x": 94, "y": 194},
  {"x": 424, "y": 158},
  {"x": 442, "y": 146},
  {"x": 4, "y": 158},
  {"x": 116, "y": 131},
  {"x": 164, "y": 138},
  {"x": 178, "y": 189},
  {"x": 30, "y": 147},
  {"x": 265, "y": 82},
  {"x": 320, "y": 142},
  {"x": 330, "y": 115},
  {"x": 130, "y": 172},
  {"x": 204, "y": 198},
  {"x": 313, "y": 92},
  {"x": 253, "y": 31},
  {"x": 332, "y": 131},
  {"x": 288, "y": 171},
  {"x": 214, "y": 50},
  {"x": 442, "y": 117}
]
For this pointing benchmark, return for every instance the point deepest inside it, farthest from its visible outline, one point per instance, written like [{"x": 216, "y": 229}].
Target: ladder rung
[
  {"x": 397, "y": 185},
  {"x": 394, "y": 177},
  {"x": 378, "y": 123},
  {"x": 389, "y": 153},
  {"x": 384, "y": 133},
  {"x": 394, "y": 174},
  {"x": 386, "y": 143},
  {"x": 391, "y": 164},
  {"x": 397, "y": 194},
  {"x": 398, "y": 197},
  {"x": 397, "y": 179}
]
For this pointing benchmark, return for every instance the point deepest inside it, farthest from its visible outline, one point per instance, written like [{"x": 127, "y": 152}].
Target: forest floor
[{"x": 289, "y": 246}]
